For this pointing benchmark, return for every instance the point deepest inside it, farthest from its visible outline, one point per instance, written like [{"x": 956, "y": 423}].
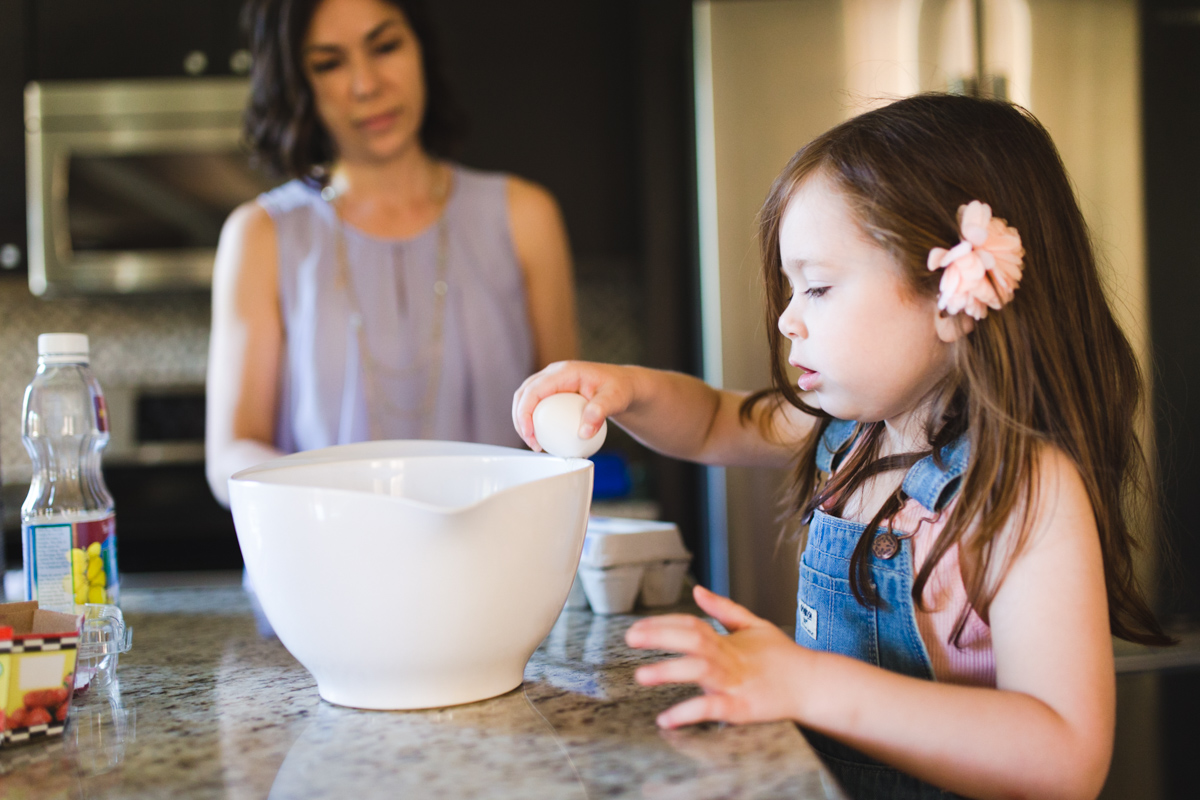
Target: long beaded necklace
[{"x": 432, "y": 356}]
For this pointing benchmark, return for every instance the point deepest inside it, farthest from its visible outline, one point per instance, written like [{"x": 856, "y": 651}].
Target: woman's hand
[
  {"x": 608, "y": 388},
  {"x": 752, "y": 675}
]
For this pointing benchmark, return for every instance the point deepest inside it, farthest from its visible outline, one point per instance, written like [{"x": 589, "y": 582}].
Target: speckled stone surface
[{"x": 208, "y": 708}]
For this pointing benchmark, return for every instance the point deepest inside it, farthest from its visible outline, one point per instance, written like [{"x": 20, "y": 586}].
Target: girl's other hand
[
  {"x": 608, "y": 389},
  {"x": 751, "y": 675}
]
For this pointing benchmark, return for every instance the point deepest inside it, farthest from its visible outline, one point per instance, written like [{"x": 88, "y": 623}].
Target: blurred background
[{"x": 659, "y": 125}]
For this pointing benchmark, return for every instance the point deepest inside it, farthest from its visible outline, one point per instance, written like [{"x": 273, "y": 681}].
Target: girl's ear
[{"x": 951, "y": 328}]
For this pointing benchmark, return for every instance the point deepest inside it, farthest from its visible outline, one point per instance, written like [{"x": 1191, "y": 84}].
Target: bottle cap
[{"x": 63, "y": 346}]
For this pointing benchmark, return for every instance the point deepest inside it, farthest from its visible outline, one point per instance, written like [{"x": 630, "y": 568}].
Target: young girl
[{"x": 964, "y": 451}]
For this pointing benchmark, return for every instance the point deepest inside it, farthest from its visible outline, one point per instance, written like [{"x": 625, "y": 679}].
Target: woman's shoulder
[
  {"x": 519, "y": 209},
  {"x": 519, "y": 194},
  {"x": 249, "y": 223},
  {"x": 246, "y": 255},
  {"x": 528, "y": 198},
  {"x": 295, "y": 195}
]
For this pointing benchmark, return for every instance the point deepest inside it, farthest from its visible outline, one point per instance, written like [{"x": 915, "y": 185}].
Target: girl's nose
[{"x": 791, "y": 323}]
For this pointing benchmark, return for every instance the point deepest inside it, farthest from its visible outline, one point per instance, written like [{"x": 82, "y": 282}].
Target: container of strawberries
[{"x": 38, "y": 651}]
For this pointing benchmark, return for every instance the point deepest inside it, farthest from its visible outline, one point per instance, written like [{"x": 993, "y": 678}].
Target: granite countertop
[{"x": 208, "y": 708}]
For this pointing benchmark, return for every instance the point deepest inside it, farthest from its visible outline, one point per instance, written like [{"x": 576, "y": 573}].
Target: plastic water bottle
[{"x": 68, "y": 529}]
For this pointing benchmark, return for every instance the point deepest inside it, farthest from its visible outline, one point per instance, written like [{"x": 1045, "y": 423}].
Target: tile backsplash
[
  {"x": 157, "y": 340},
  {"x": 135, "y": 340}
]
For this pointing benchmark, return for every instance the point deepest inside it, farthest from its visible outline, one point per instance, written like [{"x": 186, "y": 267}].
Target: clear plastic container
[
  {"x": 102, "y": 639},
  {"x": 68, "y": 528}
]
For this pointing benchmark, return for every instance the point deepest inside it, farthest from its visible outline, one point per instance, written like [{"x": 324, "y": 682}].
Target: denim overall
[{"x": 829, "y": 618}]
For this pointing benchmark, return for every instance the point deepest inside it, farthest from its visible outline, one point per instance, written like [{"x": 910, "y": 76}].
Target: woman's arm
[
  {"x": 540, "y": 240},
  {"x": 1045, "y": 731},
  {"x": 675, "y": 414},
  {"x": 244, "y": 350}
]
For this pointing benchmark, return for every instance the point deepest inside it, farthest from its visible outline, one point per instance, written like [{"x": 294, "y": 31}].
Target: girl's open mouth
[{"x": 808, "y": 379}]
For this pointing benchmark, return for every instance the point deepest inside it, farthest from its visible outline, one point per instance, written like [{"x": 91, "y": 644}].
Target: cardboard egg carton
[{"x": 627, "y": 560}]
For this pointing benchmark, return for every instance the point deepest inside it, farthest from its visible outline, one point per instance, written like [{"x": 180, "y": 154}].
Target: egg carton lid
[{"x": 612, "y": 541}]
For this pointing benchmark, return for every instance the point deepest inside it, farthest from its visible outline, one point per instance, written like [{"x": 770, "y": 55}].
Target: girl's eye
[
  {"x": 816, "y": 291},
  {"x": 387, "y": 47}
]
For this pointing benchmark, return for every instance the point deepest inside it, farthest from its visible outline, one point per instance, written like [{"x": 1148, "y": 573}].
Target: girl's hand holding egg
[{"x": 600, "y": 391}]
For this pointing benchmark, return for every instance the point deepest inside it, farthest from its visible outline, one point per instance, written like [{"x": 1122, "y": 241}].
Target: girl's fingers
[
  {"x": 705, "y": 708},
  {"x": 518, "y": 395},
  {"x": 675, "y": 633},
  {"x": 551, "y": 380},
  {"x": 599, "y": 408},
  {"x": 688, "y": 669},
  {"x": 733, "y": 616}
]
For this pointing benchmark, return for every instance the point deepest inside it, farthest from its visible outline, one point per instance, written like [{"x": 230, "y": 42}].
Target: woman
[{"x": 384, "y": 292}]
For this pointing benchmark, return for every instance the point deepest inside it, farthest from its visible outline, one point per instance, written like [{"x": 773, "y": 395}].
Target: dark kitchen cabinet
[
  {"x": 167, "y": 520},
  {"x": 83, "y": 39},
  {"x": 1171, "y": 130},
  {"x": 13, "y": 27}
]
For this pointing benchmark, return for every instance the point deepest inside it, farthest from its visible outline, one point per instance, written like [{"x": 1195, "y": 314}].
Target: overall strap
[
  {"x": 930, "y": 483},
  {"x": 837, "y": 435},
  {"x": 933, "y": 485}
]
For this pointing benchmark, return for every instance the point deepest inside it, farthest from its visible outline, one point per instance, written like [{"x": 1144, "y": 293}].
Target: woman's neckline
[{"x": 428, "y": 230}]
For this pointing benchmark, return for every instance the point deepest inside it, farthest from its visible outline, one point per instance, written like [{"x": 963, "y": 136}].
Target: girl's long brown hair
[{"x": 1051, "y": 368}]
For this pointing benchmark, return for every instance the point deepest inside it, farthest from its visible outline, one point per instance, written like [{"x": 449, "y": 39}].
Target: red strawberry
[
  {"x": 37, "y": 716},
  {"x": 46, "y": 698},
  {"x": 17, "y": 719}
]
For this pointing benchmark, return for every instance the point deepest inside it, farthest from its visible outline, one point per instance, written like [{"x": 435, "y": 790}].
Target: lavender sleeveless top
[{"x": 328, "y": 387}]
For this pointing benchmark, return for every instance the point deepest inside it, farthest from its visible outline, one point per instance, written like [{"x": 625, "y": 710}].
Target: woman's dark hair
[
  {"x": 281, "y": 123},
  {"x": 1050, "y": 369}
]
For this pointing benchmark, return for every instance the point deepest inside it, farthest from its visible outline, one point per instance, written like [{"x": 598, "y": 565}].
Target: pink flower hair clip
[{"x": 983, "y": 270}]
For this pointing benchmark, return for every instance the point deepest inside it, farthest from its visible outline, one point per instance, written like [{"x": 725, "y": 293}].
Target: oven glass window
[{"x": 156, "y": 202}]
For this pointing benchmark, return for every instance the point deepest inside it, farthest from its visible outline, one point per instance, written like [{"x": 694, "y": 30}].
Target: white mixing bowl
[{"x": 412, "y": 574}]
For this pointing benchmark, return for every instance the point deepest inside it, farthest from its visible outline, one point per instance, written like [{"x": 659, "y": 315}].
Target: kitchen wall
[{"x": 782, "y": 71}]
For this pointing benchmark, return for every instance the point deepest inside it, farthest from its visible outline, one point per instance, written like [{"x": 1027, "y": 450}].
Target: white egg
[{"x": 556, "y": 423}]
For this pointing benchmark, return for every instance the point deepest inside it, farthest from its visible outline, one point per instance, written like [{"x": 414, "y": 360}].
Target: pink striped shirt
[{"x": 972, "y": 661}]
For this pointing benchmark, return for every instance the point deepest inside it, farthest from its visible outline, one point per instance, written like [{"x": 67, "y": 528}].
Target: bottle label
[{"x": 71, "y": 563}]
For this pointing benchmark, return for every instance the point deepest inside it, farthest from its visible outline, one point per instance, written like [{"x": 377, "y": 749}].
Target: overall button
[{"x": 886, "y": 545}]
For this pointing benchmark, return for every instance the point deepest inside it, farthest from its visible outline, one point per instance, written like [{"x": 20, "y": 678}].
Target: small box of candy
[
  {"x": 627, "y": 560},
  {"x": 37, "y": 670}
]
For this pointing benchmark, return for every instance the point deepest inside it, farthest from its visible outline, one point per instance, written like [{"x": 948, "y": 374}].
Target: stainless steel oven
[{"x": 129, "y": 182}]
